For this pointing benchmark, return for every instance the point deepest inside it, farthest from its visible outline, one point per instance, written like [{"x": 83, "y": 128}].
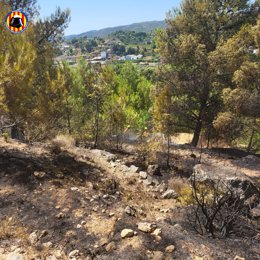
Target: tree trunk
[
  {"x": 168, "y": 149},
  {"x": 69, "y": 124},
  {"x": 196, "y": 134},
  {"x": 208, "y": 138},
  {"x": 249, "y": 147},
  {"x": 17, "y": 133},
  {"x": 198, "y": 127},
  {"x": 68, "y": 118},
  {"x": 117, "y": 137},
  {"x": 96, "y": 125}
]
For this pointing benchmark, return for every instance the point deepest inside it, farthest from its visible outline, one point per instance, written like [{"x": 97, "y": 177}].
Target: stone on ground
[
  {"x": 170, "y": 194},
  {"x": 127, "y": 233},
  {"x": 146, "y": 227},
  {"x": 170, "y": 249}
]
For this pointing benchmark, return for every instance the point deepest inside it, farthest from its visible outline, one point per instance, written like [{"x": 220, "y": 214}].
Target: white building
[
  {"x": 131, "y": 57},
  {"x": 103, "y": 55},
  {"x": 64, "y": 46}
]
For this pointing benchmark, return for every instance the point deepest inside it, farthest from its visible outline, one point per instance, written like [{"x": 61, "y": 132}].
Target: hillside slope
[
  {"x": 137, "y": 27},
  {"x": 79, "y": 203}
]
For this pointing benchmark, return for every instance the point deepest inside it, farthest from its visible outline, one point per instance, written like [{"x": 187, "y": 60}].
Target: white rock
[
  {"x": 165, "y": 210},
  {"x": 178, "y": 227},
  {"x": 148, "y": 181},
  {"x": 73, "y": 253},
  {"x": 113, "y": 164},
  {"x": 39, "y": 174},
  {"x": 111, "y": 246},
  {"x": 157, "y": 255},
  {"x": 146, "y": 227},
  {"x": 154, "y": 170},
  {"x": 47, "y": 245},
  {"x": 130, "y": 211},
  {"x": 58, "y": 253},
  {"x": 143, "y": 175},
  {"x": 51, "y": 257},
  {"x": 124, "y": 168},
  {"x": 33, "y": 238},
  {"x": 170, "y": 194},
  {"x": 127, "y": 233},
  {"x": 134, "y": 168},
  {"x": 239, "y": 258},
  {"x": 106, "y": 155},
  {"x": 15, "y": 257},
  {"x": 158, "y": 239},
  {"x": 170, "y": 249},
  {"x": 157, "y": 232},
  {"x": 60, "y": 215}
]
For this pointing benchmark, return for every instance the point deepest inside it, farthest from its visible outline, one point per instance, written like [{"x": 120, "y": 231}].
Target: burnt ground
[{"x": 79, "y": 205}]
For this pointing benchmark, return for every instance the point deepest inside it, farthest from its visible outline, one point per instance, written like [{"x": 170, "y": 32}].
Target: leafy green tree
[
  {"x": 51, "y": 29},
  {"x": 163, "y": 116},
  {"x": 193, "y": 33},
  {"x": 17, "y": 55},
  {"x": 65, "y": 86},
  {"x": 118, "y": 49},
  {"x": 29, "y": 6},
  {"x": 27, "y": 72},
  {"x": 115, "y": 117},
  {"x": 131, "y": 50},
  {"x": 242, "y": 97},
  {"x": 92, "y": 90},
  {"x": 134, "y": 90}
]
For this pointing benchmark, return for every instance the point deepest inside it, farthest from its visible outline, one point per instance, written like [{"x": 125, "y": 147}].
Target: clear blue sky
[{"x": 97, "y": 14}]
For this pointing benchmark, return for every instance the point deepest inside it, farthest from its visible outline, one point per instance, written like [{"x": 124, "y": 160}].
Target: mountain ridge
[{"x": 138, "y": 27}]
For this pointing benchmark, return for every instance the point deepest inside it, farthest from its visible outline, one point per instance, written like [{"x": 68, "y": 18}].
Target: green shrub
[{"x": 5, "y": 136}]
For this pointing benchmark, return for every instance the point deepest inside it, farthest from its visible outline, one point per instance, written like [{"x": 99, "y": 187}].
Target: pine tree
[
  {"x": 163, "y": 116},
  {"x": 242, "y": 97},
  {"x": 192, "y": 34}
]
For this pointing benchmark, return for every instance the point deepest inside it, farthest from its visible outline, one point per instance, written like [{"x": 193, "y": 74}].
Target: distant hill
[{"x": 138, "y": 27}]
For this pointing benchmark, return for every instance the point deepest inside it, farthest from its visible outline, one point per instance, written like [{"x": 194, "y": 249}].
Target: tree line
[{"x": 207, "y": 83}]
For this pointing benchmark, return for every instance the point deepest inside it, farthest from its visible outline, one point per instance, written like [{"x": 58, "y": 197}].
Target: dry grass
[
  {"x": 183, "y": 188},
  {"x": 62, "y": 142},
  {"x": 151, "y": 148},
  {"x": 9, "y": 229},
  {"x": 182, "y": 138}
]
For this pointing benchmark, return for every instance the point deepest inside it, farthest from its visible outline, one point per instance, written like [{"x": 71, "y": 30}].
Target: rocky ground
[{"x": 92, "y": 204}]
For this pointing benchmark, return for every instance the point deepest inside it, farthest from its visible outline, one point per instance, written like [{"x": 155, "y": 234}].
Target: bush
[
  {"x": 183, "y": 188},
  {"x": 151, "y": 149},
  {"x": 62, "y": 142},
  {"x": 217, "y": 208},
  {"x": 5, "y": 136}
]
